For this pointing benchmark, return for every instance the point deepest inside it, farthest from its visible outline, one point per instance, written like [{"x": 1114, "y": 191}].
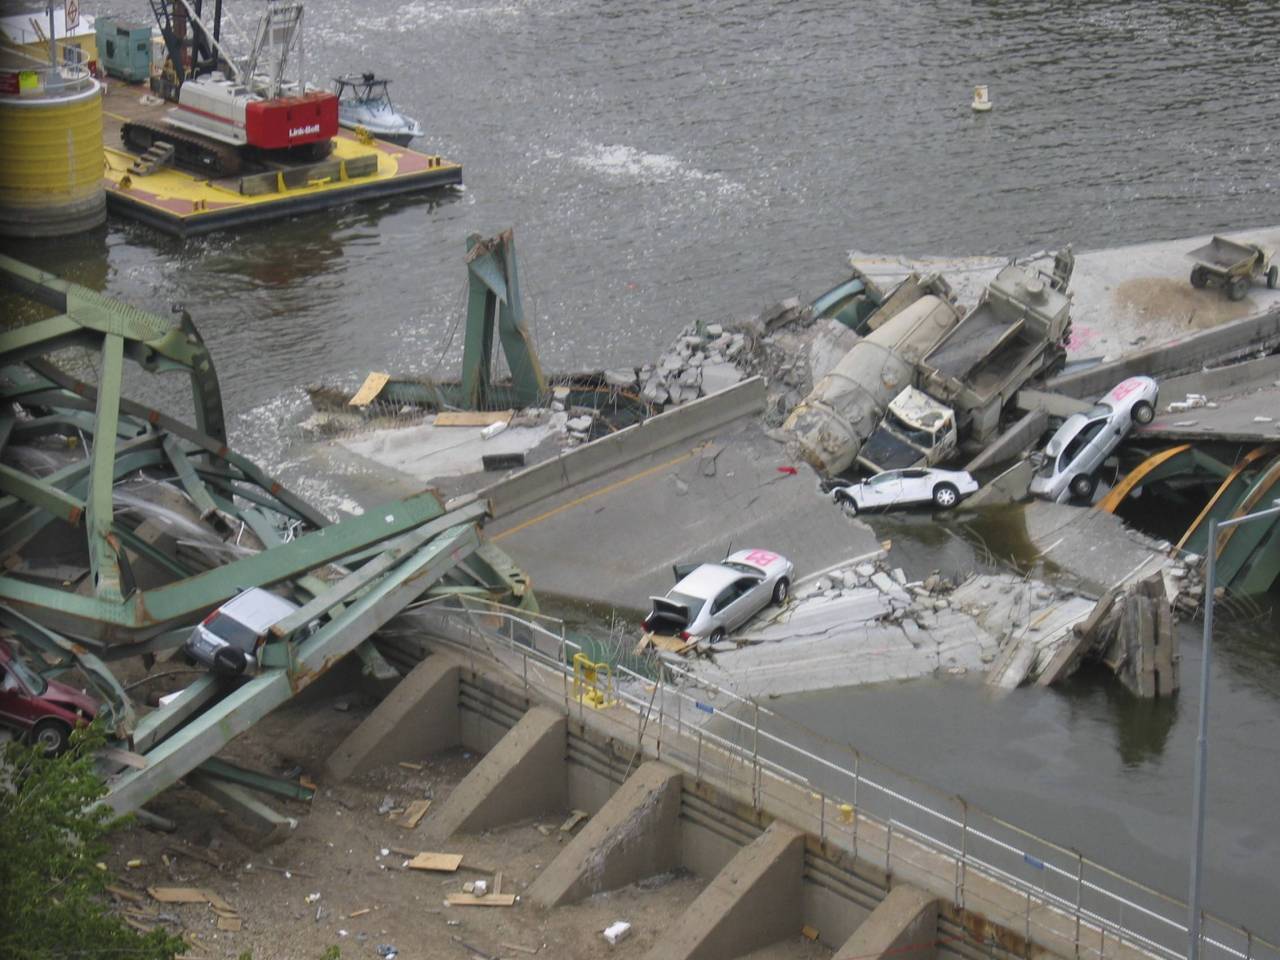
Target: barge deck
[{"x": 186, "y": 204}]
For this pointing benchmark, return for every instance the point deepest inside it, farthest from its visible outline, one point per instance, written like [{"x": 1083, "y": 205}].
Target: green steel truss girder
[
  {"x": 74, "y": 483},
  {"x": 1238, "y": 547},
  {"x": 45, "y": 497},
  {"x": 264, "y": 782},
  {"x": 226, "y": 719},
  {"x": 393, "y": 553},
  {"x": 104, "y": 561},
  {"x": 86, "y": 394},
  {"x": 159, "y": 607},
  {"x": 493, "y": 299},
  {"x": 120, "y": 714},
  {"x": 154, "y": 342}
]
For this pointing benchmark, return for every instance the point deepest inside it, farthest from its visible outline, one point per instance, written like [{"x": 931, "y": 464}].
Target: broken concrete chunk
[
  {"x": 719, "y": 376},
  {"x": 617, "y": 931},
  {"x": 621, "y": 377},
  {"x": 579, "y": 424}
]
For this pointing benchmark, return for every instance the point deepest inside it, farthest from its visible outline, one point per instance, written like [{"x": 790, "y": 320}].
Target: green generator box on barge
[{"x": 124, "y": 49}]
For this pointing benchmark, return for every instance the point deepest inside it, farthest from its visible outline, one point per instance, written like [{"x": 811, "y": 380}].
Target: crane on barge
[{"x": 227, "y": 113}]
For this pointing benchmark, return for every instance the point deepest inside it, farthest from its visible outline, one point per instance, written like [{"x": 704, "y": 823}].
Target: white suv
[{"x": 227, "y": 640}]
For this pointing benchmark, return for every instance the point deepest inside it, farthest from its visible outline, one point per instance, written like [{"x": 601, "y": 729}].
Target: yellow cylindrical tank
[{"x": 51, "y": 167}]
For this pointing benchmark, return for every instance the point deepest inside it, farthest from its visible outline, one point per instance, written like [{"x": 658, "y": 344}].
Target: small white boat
[{"x": 363, "y": 102}]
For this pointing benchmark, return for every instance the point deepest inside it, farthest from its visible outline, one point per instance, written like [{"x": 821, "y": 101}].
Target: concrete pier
[
  {"x": 754, "y": 901},
  {"x": 419, "y": 717},
  {"x": 522, "y": 777},
  {"x": 903, "y": 926},
  {"x": 634, "y": 836}
]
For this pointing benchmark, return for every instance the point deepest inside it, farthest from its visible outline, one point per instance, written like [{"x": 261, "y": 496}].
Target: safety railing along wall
[{"x": 1047, "y": 893}]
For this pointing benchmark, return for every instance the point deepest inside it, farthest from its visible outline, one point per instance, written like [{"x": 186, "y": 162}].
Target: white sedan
[
  {"x": 1068, "y": 466},
  {"x": 896, "y": 488},
  {"x": 716, "y": 598}
]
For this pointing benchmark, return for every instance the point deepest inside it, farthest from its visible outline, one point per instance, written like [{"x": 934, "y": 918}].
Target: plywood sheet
[
  {"x": 473, "y": 418},
  {"x": 369, "y": 390},
  {"x": 442, "y": 862}
]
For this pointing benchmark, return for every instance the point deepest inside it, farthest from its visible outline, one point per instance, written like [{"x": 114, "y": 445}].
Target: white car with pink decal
[
  {"x": 1068, "y": 465},
  {"x": 716, "y": 598}
]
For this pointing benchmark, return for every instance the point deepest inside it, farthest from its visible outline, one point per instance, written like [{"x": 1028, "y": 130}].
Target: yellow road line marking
[
  {"x": 593, "y": 494},
  {"x": 115, "y": 116}
]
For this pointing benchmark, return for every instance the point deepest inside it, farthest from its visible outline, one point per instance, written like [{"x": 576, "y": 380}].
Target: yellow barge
[{"x": 187, "y": 204}]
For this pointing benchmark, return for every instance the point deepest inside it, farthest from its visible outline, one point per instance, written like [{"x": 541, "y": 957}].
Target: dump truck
[{"x": 1017, "y": 332}]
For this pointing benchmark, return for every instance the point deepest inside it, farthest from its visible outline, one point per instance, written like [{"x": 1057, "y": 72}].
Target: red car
[{"x": 45, "y": 710}]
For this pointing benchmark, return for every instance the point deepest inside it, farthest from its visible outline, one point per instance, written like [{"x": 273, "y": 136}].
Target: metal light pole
[{"x": 1202, "y": 738}]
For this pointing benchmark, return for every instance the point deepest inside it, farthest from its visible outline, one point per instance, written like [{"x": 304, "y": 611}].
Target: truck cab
[{"x": 917, "y": 431}]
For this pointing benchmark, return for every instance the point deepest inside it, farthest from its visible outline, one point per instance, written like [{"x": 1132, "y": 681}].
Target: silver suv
[
  {"x": 227, "y": 640},
  {"x": 1069, "y": 464}
]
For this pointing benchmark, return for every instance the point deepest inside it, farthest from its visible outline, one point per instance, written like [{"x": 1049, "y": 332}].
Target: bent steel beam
[
  {"x": 152, "y": 610},
  {"x": 1137, "y": 476},
  {"x": 84, "y": 395},
  {"x": 203, "y": 736},
  {"x": 1238, "y": 545},
  {"x": 493, "y": 300},
  {"x": 1223, "y": 501},
  {"x": 157, "y": 344}
]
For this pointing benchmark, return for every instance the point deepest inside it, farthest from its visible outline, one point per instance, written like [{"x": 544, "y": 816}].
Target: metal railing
[{"x": 1046, "y": 892}]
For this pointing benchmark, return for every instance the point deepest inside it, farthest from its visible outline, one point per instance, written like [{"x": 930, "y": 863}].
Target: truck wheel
[
  {"x": 945, "y": 495},
  {"x": 1082, "y": 486},
  {"x": 1143, "y": 412},
  {"x": 848, "y": 506},
  {"x": 1199, "y": 277},
  {"x": 1273, "y": 277},
  {"x": 781, "y": 591},
  {"x": 1237, "y": 287},
  {"x": 51, "y": 735},
  {"x": 228, "y": 662}
]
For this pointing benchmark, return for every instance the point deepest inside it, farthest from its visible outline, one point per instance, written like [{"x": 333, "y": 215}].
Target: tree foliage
[{"x": 52, "y": 894}]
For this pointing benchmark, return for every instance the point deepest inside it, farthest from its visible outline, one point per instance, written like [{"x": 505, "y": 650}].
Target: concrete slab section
[
  {"x": 635, "y": 835},
  {"x": 904, "y": 925},
  {"x": 746, "y": 497},
  {"x": 418, "y": 718},
  {"x": 755, "y": 900},
  {"x": 523, "y": 776}
]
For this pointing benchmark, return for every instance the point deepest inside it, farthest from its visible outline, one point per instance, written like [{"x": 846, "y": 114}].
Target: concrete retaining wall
[
  {"x": 1214, "y": 347},
  {"x": 706, "y": 833},
  {"x": 600, "y": 456}
]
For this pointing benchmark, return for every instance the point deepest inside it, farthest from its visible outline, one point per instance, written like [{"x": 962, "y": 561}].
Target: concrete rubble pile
[
  {"x": 703, "y": 360},
  {"x": 866, "y": 622}
]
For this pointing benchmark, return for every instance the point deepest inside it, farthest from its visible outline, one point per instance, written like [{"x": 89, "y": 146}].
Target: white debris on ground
[{"x": 866, "y": 623}]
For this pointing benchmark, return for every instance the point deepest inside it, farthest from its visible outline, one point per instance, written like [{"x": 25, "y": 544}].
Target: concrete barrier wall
[
  {"x": 1220, "y": 345},
  {"x": 600, "y": 456},
  {"x": 838, "y": 890}
]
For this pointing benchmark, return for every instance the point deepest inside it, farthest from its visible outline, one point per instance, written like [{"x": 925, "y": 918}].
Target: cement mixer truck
[{"x": 829, "y": 427}]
